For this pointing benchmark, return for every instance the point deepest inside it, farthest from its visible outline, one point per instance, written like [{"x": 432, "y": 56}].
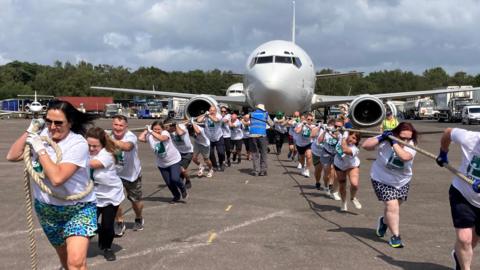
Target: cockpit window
[
  {"x": 297, "y": 62},
  {"x": 265, "y": 59},
  {"x": 283, "y": 59}
]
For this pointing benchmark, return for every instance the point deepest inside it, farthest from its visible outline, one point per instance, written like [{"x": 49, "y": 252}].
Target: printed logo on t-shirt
[
  {"x": 160, "y": 150},
  {"x": 91, "y": 175},
  {"x": 210, "y": 123},
  {"x": 306, "y": 132},
  {"x": 394, "y": 162},
  {"x": 178, "y": 139},
  {"x": 332, "y": 141},
  {"x": 473, "y": 169},
  {"x": 120, "y": 157},
  {"x": 339, "y": 150},
  {"x": 37, "y": 166}
]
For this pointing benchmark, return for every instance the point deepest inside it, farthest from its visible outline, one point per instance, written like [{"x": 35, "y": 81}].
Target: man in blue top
[{"x": 258, "y": 139}]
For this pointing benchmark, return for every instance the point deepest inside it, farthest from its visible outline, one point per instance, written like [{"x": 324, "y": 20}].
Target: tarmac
[{"x": 238, "y": 221}]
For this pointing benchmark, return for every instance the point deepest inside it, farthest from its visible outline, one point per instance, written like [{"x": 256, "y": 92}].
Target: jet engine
[
  {"x": 366, "y": 111},
  {"x": 199, "y": 105}
]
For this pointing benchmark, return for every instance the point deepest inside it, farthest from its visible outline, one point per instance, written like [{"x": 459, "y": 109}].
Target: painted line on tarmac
[
  {"x": 187, "y": 244},
  {"x": 211, "y": 238},
  {"x": 228, "y": 208}
]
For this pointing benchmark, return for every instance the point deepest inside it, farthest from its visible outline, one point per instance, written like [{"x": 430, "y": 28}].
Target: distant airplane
[
  {"x": 281, "y": 75},
  {"x": 34, "y": 107}
]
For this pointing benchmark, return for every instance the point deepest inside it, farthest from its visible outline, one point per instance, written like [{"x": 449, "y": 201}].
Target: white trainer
[
  {"x": 356, "y": 203},
  {"x": 200, "y": 171},
  {"x": 210, "y": 173},
  {"x": 299, "y": 166},
  {"x": 307, "y": 173},
  {"x": 336, "y": 196},
  {"x": 344, "y": 207}
]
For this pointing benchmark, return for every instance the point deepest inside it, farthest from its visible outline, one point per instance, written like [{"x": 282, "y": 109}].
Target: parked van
[{"x": 471, "y": 114}]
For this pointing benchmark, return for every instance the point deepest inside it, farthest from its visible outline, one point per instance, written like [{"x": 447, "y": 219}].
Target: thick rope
[
  {"x": 421, "y": 151},
  {"x": 38, "y": 178}
]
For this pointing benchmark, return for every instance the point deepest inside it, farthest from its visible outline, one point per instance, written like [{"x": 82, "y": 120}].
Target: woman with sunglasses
[
  {"x": 67, "y": 224},
  {"x": 167, "y": 158},
  {"x": 391, "y": 173},
  {"x": 323, "y": 149},
  {"x": 347, "y": 163},
  {"x": 303, "y": 143},
  {"x": 108, "y": 186}
]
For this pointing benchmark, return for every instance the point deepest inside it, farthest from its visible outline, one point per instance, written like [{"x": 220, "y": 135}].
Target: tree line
[{"x": 66, "y": 79}]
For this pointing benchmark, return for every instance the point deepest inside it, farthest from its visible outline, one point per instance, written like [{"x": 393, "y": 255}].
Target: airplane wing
[
  {"x": 235, "y": 100},
  {"x": 324, "y": 100},
  {"x": 338, "y": 74}
]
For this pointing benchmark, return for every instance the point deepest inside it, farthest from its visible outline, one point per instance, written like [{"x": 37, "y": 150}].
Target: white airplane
[
  {"x": 34, "y": 107},
  {"x": 281, "y": 75}
]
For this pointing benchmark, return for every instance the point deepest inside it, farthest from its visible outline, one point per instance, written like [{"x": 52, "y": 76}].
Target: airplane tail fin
[{"x": 293, "y": 23}]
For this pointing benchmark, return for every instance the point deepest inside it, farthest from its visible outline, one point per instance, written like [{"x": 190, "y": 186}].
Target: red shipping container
[{"x": 91, "y": 104}]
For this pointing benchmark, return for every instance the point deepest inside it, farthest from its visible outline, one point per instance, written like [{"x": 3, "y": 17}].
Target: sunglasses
[
  {"x": 309, "y": 119},
  {"x": 223, "y": 111},
  {"x": 404, "y": 139},
  {"x": 56, "y": 123}
]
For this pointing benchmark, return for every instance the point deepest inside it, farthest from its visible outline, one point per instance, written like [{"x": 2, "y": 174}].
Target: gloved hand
[
  {"x": 149, "y": 128},
  {"x": 442, "y": 158},
  {"x": 384, "y": 136},
  {"x": 35, "y": 141},
  {"x": 36, "y": 126}
]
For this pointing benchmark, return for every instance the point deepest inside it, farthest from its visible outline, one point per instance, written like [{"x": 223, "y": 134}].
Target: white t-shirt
[
  {"x": 165, "y": 152},
  {"x": 201, "y": 139},
  {"x": 469, "y": 142},
  {"x": 389, "y": 169},
  {"x": 329, "y": 142},
  {"x": 317, "y": 146},
  {"x": 128, "y": 165},
  {"x": 213, "y": 130},
  {"x": 108, "y": 185},
  {"x": 236, "y": 130},
  {"x": 74, "y": 149},
  {"x": 226, "y": 132},
  {"x": 303, "y": 138},
  {"x": 183, "y": 143},
  {"x": 345, "y": 161},
  {"x": 279, "y": 127}
]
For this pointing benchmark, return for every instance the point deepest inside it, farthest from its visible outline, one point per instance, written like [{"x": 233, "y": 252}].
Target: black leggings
[
  {"x": 105, "y": 231},
  {"x": 279, "y": 139},
  {"x": 220, "y": 146},
  {"x": 228, "y": 147}
]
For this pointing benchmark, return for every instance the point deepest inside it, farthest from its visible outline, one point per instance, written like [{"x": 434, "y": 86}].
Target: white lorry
[{"x": 421, "y": 108}]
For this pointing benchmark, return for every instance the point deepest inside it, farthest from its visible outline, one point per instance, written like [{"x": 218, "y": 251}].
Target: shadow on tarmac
[
  {"x": 94, "y": 250},
  {"x": 412, "y": 265}
]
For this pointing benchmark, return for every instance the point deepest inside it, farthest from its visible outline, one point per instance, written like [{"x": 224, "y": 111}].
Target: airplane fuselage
[{"x": 280, "y": 75}]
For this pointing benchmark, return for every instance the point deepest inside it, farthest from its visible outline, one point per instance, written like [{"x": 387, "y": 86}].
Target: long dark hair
[
  {"x": 406, "y": 126},
  {"x": 105, "y": 140},
  {"x": 78, "y": 120}
]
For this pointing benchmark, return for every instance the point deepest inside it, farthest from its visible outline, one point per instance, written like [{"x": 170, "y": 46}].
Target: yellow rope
[
  {"x": 421, "y": 151},
  {"x": 38, "y": 178}
]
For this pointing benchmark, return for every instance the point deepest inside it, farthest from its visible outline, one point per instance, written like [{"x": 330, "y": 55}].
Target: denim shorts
[{"x": 62, "y": 221}]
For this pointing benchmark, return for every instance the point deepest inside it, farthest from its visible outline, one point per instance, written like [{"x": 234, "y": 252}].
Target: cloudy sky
[{"x": 184, "y": 35}]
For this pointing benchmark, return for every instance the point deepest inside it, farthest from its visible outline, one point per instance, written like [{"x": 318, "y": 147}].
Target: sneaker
[
  {"x": 234, "y": 157},
  {"x": 381, "y": 227},
  {"x": 184, "y": 193},
  {"x": 221, "y": 168},
  {"x": 200, "y": 171},
  {"x": 188, "y": 184},
  {"x": 174, "y": 201},
  {"x": 299, "y": 166},
  {"x": 210, "y": 173},
  {"x": 293, "y": 157},
  {"x": 289, "y": 154},
  {"x": 318, "y": 186},
  {"x": 262, "y": 174},
  {"x": 255, "y": 173},
  {"x": 344, "y": 207},
  {"x": 109, "y": 255},
  {"x": 119, "y": 228},
  {"x": 335, "y": 196},
  {"x": 328, "y": 192},
  {"x": 307, "y": 173},
  {"x": 456, "y": 264},
  {"x": 138, "y": 225},
  {"x": 395, "y": 242},
  {"x": 356, "y": 203},
  {"x": 229, "y": 163}
]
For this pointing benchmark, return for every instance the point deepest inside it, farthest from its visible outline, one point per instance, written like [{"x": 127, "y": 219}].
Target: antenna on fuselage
[{"x": 293, "y": 23}]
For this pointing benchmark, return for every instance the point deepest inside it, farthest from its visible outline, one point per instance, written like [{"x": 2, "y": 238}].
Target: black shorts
[
  {"x": 464, "y": 215},
  {"x": 290, "y": 140},
  {"x": 302, "y": 149},
  {"x": 186, "y": 159}
]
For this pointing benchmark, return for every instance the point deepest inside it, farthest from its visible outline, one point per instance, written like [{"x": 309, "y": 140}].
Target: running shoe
[
  {"x": 381, "y": 227},
  {"x": 456, "y": 264},
  {"x": 335, "y": 196},
  {"x": 344, "y": 207},
  {"x": 119, "y": 228},
  {"x": 289, "y": 154},
  {"x": 318, "y": 186},
  {"x": 356, "y": 203},
  {"x": 395, "y": 242},
  {"x": 299, "y": 166},
  {"x": 307, "y": 173},
  {"x": 210, "y": 173},
  {"x": 200, "y": 171},
  {"x": 138, "y": 225},
  {"x": 109, "y": 255},
  {"x": 263, "y": 173},
  {"x": 184, "y": 193}
]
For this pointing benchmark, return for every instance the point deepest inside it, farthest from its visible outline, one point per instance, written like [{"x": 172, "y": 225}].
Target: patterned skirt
[{"x": 387, "y": 193}]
